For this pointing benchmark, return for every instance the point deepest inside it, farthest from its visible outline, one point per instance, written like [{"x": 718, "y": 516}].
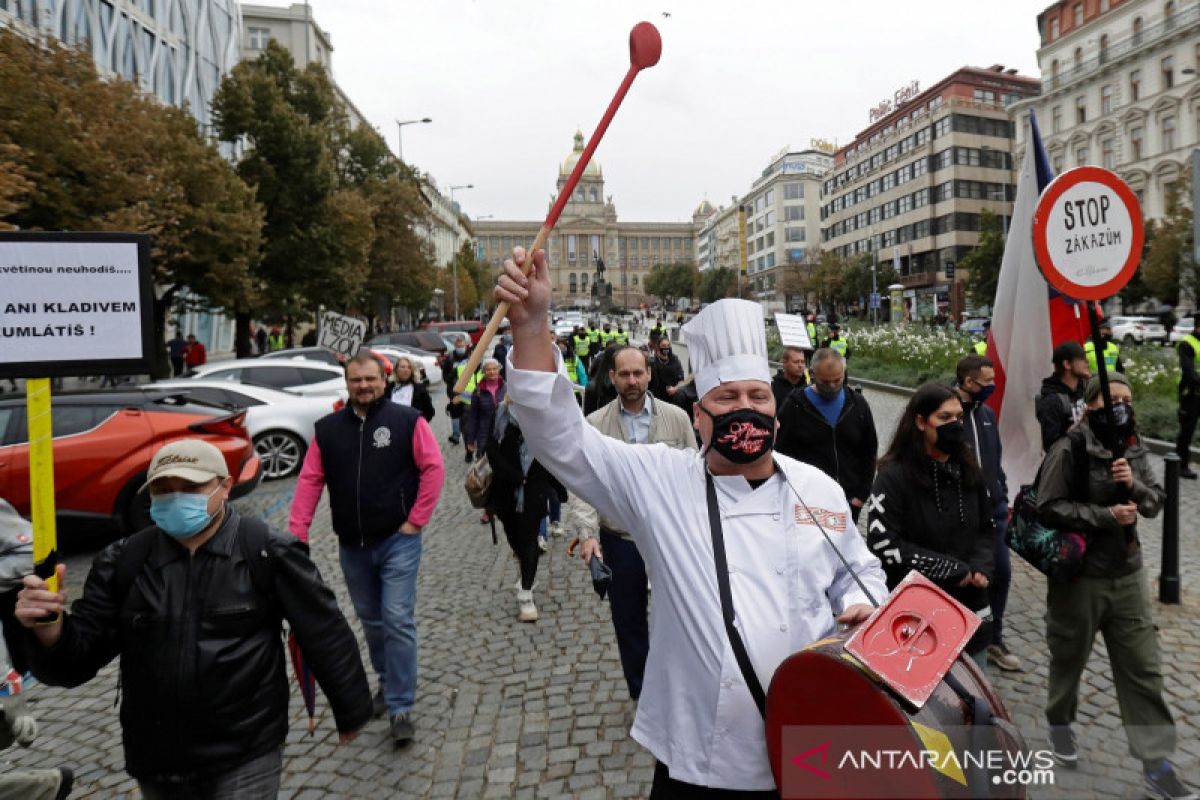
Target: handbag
[
  {"x": 1055, "y": 552},
  {"x": 478, "y": 481}
]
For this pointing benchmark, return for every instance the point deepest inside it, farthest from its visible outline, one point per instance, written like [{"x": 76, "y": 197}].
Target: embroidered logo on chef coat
[
  {"x": 383, "y": 437},
  {"x": 829, "y": 520}
]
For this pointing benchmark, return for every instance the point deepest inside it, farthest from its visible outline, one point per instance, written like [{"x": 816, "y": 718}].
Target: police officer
[
  {"x": 835, "y": 341},
  {"x": 1189, "y": 401},
  {"x": 582, "y": 345},
  {"x": 594, "y": 338},
  {"x": 1112, "y": 351},
  {"x": 620, "y": 336}
]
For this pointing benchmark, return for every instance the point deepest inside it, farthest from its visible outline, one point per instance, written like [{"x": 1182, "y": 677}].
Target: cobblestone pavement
[{"x": 515, "y": 710}]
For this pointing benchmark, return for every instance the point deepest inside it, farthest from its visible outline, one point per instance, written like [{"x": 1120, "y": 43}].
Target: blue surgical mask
[
  {"x": 460, "y": 351},
  {"x": 181, "y": 514},
  {"x": 507, "y": 340}
]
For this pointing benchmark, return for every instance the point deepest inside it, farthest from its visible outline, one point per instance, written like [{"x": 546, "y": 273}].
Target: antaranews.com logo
[{"x": 910, "y": 761}]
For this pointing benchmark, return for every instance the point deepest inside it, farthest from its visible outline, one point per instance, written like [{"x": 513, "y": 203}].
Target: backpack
[{"x": 1054, "y": 552}]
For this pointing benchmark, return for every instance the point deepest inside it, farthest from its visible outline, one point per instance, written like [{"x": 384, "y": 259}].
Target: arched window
[
  {"x": 1078, "y": 60},
  {"x": 571, "y": 282},
  {"x": 1137, "y": 30},
  {"x": 1054, "y": 73},
  {"x": 1103, "y": 48},
  {"x": 592, "y": 194},
  {"x": 1078, "y": 14}
]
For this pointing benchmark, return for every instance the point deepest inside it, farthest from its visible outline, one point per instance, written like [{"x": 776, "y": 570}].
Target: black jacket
[
  {"x": 663, "y": 375},
  {"x": 421, "y": 400},
  {"x": 1058, "y": 408},
  {"x": 504, "y": 456},
  {"x": 204, "y": 679},
  {"x": 983, "y": 434},
  {"x": 781, "y": 387},
  {"x": 938, "y": 526},
  {"x": 369, "y": 470},
  {"x": 845, "y": 452}
]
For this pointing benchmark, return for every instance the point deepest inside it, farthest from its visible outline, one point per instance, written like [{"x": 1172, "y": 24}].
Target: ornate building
[{"x": 589, "y": 234}]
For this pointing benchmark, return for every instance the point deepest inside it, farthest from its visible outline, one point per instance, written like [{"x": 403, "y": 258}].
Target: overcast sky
[{"x": 507, "y": 82}]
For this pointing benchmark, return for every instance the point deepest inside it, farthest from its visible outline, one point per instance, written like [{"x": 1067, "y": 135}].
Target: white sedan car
[
  {"x": 279, "y": 423},
  {"x": 424, "y": 359},
  {"x": 303, "y": 377}
]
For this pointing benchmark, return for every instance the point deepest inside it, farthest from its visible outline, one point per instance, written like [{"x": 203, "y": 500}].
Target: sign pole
[
  {"x": 41, "y": 482},
  {"x": 1115, "y": 447}
]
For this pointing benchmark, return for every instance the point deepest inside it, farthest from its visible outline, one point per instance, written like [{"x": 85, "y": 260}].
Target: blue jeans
[
  {"x": 629, "y": 601},
  {"x": 555, "y": 515},
  {"x": 257, "y": 779},
  {"x": 383, "y": 588},
  {"x": 998, "y": 588},
  {"x": 456, "y": 426}
]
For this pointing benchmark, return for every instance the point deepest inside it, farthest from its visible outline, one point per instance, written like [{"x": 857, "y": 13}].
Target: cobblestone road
[{"x": 512, "y": 710}]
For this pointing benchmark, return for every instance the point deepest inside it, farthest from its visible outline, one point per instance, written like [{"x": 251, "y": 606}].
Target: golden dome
[
  {"x": 705, "y": 209},
  {"x": 593, "y": 168}
]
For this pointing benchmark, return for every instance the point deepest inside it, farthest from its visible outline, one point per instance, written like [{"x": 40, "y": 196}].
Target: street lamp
[
  {"x": 460, "y": 186},
  {"x": 400, "y": 133}
]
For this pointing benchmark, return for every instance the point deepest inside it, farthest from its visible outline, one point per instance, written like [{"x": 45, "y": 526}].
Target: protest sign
[
  {"x": 342, "y": 334},
  {"x": 793, "y": 331},
  {"x": 75, "y": 304}
]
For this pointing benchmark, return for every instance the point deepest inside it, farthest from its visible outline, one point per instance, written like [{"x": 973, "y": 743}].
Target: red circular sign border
[{"x": 1041, "y": 215}]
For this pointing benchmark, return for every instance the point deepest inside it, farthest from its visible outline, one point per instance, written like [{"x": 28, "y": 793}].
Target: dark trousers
[
  {"x": 1189, "y": 413},
  {"x": 998, "y": 587},
  {"x": 176, "y": 366},
  {"x": 667, "y": 788},
  {"x": 257, "y": 779},
  {"x": 629, "y": 601},
  {"x": 521, "y": 530}
]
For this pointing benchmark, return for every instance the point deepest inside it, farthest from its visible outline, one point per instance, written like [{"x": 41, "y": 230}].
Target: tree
[
  {"x": 13, "y": 184},
  {"x": 983, "y": 262},
  {"x": 400, "y": 262},
  {"x": 1168, "y": 261},
  {"x": 825, "y": 279},
  {"x": 716, "y": 284},
  {"x": 670, "y": 281},
  {"x": 304, "y": 164},
  {"x": 119, "y": 161}
]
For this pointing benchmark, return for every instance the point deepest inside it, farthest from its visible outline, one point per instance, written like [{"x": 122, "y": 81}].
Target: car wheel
[
  {"x": 1129, "y": 340},
  {"x": 281, "y": 453}
]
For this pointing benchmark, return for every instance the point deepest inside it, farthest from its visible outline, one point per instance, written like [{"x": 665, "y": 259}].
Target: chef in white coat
[{"x": 787, "y": 585}]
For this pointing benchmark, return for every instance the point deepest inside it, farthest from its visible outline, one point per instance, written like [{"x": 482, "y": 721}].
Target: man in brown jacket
[
  {"x": 636, "y": 417},
  {"x": 1110, "y": 594}
]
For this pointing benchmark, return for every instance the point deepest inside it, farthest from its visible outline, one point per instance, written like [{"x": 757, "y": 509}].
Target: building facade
[
  {"x": 718, "y": 244},
  {"x": 783, "y": 222},
  {"x": 911, "y": 186},
  {"x": 294, "y": 28},
  {"x": 176, "y": 50},
  {"x": 589, "y": 235},
  {"x": 1119, "y": 91}
]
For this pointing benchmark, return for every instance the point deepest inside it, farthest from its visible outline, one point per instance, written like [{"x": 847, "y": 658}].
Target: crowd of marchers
[{"x": 193, "y": 606}]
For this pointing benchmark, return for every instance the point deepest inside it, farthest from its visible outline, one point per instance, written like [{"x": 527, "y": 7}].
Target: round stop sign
[{"x": 1088, "y": 233}]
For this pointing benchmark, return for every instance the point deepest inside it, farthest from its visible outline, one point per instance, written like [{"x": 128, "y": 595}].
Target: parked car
[
  {"x": 473, "y": 328},
  {"x": 1138, "y": 330},
  {"x": 564, "y": 328},
  {"x": 1184, "y": 327},
  {"x": 425, "y": 340},
  {"x": 310, "y": 353},
  {"x": 300, "y": 377},
  {"x": 103, "y": 443},
  {"x": 425, "y": 361},
  {"x": 976, "y": 326},
  {"x": 280, "y": 424}
]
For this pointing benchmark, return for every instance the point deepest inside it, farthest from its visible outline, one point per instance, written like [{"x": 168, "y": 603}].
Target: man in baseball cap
[{"x": 217, "y": 586}]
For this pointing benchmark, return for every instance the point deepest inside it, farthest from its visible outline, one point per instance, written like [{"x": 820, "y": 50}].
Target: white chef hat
[{"x": 727, "y": 341}]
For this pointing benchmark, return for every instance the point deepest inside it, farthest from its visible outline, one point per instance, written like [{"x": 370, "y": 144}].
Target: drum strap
[{"x": 735, "y": 639}]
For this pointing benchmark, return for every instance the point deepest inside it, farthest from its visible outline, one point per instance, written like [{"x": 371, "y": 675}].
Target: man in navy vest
[{"x": 384, "y": 472}]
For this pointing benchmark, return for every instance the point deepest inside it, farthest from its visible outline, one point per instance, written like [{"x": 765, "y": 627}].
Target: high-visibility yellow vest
[
  {"x": 275, "y": 342},
  {"x": 1111, "y": 353},
  {"x": 607, "y": 338},
  {"x": 469, "y": 389},
  {"x": 840, "y": 346},
  {"x": 594, "y": 335},
  {"x": 582, "y": 343},
  {"x": 1193, "y": 343},
  {"x": 812, "y": 334},
  {"x": 981, "y": 347},
  {"x": 622, "y": 337},
  {"x": 572, "y": 364}
]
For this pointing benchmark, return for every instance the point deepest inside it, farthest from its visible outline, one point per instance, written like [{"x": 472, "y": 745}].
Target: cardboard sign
[
  {"x": 1088, "y": 233},
  {"x": 75, "y": 304},
  {"x": 912, "y": 640},
  {"x": 342, "y": 334},
  {"x": 793, "y": 331}
]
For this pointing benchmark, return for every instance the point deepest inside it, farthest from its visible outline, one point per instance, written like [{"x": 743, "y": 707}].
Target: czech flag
[{"x": 1029, "y": 319}]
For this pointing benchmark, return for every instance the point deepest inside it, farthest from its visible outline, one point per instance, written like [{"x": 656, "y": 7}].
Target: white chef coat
[{"x": 695, "y": 713}]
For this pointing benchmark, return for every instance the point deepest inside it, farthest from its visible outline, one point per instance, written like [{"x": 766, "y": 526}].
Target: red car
[
  {"x": 103, "y": 443},
  {"x": 472, "y": 327}
]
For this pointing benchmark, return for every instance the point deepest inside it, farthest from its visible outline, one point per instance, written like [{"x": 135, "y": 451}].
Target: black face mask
[
  {"x": 1120, "y": 426},
  {"x": 827, "y": 392},
  {"x": 951, "y": 438},
  {"x": 742, "y": 435}
]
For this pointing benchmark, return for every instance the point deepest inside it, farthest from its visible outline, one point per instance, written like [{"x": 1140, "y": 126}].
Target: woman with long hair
[
  {"x": 408, "y": 390},
  {"x": 930, "y": 510}
]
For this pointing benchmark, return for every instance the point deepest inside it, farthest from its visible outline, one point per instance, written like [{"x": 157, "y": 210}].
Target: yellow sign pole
[{"x": 41, "y": 480}]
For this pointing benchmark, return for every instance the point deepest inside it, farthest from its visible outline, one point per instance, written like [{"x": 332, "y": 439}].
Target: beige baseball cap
[{"x": 193, "y": 460}]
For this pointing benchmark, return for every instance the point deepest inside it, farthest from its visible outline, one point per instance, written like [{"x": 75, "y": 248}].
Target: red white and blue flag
[{"x": 1029, "y": 319}]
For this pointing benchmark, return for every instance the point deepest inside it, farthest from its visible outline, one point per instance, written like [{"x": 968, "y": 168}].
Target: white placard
[
  {"x": 1089, "y": 233},
  {"x": 793, "y": 331},
  {"x": 70, "y": 301},
  {"x": 342, "y": 334}
]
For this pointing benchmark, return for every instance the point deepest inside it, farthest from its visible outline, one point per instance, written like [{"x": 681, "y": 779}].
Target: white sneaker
[
  {"x": 556, "y": 529},
  {"x": 527, "y": 611},
  {"x": 543, "y": 544}
]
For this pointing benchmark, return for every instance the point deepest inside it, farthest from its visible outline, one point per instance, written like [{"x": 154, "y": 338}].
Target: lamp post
[
  {"x": 460, "y": 186},
  {"x": 400, "y": 133},
  {"x": 455, "y": 262}
]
